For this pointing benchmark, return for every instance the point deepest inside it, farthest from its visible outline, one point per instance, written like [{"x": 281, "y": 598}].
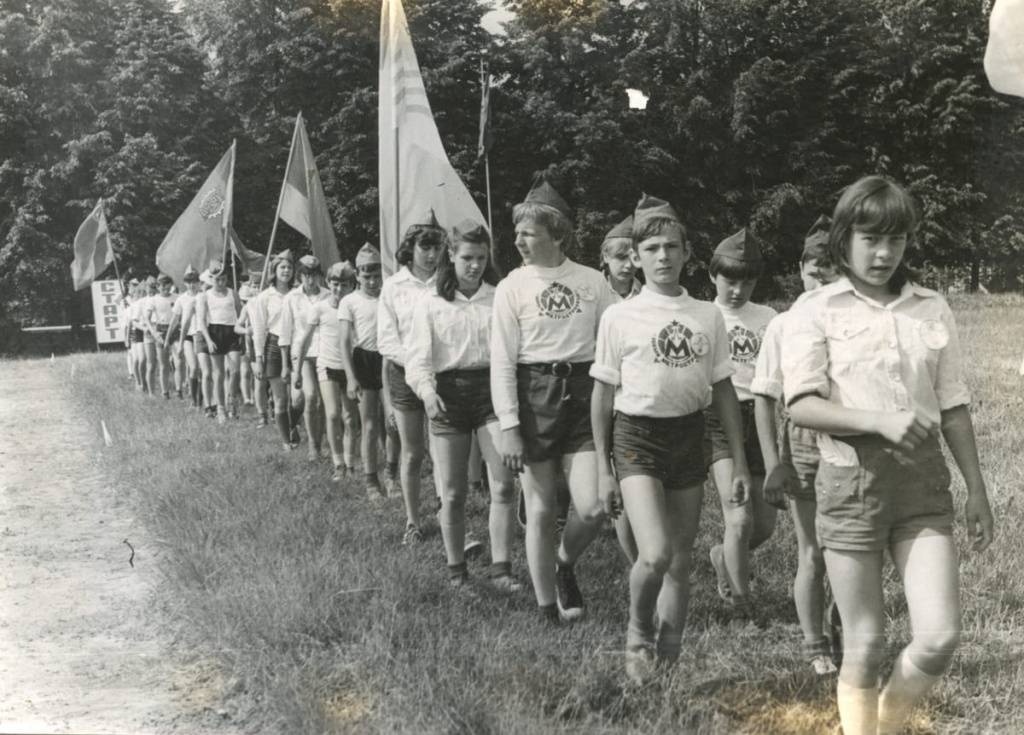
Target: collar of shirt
[
  {"x": 844, "y": 285},
  {"x": 559, "y": 271},
  {"x": 405, "y": 274},
  {"x": 482, "y": 292},
  {"x": 655, "y": 298}
]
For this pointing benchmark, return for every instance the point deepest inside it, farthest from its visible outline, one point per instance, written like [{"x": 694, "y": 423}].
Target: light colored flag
[
  {"x": 414, "y": 171},
  {"x": 92, "y": 249},
  {"x": 197, "y": 237},
  {"x": 1004, "y": 54},
  {"x": 303, "y": 205}
]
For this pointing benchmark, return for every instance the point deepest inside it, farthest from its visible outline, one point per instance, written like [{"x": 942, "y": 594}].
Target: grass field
[{"x": 322, "y": 622}]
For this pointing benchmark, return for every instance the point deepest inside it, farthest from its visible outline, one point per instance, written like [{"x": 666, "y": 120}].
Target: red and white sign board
[{"x": 107, "y": 311}]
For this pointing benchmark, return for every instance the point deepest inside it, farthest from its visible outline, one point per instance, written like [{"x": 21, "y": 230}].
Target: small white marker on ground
[{"x": 107, "y": 439}]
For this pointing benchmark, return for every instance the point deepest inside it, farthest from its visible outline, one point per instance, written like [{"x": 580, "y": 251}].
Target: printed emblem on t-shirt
[
  {"x": 743, "y": 345},
  {"x": 558, "y": 301},
  {"x": 676, "y": 345}
]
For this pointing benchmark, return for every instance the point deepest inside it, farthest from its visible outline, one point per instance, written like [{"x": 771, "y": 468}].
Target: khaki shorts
[
  {"x": 890, "y": 496},
  {"x": 667, "y": 449}
]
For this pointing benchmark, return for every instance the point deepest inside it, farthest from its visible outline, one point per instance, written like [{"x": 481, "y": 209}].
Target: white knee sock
[
  {"x": 858, "y": 709},
  {"x": 906, "y": 687}
]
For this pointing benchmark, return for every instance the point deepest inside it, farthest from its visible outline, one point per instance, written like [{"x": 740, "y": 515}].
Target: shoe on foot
[
  {"x": 721, "y": 574},
  {"x": 261, "y": 422},
  {"x": 472, "y": 549},
  {"x": 570, "y": 599},
  {"x": 222, "y": 416},
  {"x": 413, "y": 534},
  {"x": 392, "y": 487},
  {"x": 313, "y": 455},
  {"x": 641, "y": 663},
  {"x": 823, "y": 665},
  {"x": 340, "y": 473},
  {"x": 167, "y": 395},
  {"x": 506, "y": 584}
]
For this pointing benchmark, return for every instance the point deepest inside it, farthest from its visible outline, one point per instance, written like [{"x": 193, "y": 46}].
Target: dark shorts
[
  {"x": 467, "y": 399},
  {"x": 402, "y": 396},
  {"x": 554, "y": 412},
  {"x": 716, "y": 446},
  {"x": 890, "y": 496},
  {"x": 224, "y": 338},
  {"x": 188, "y": 338},
  {"x": 798, "y": 448},
  {"x": 367, "y": 366},
  {"x": 271, "y": 357},
  {"x": 668, "y": 449},
  {"x": 135, "y": 336},
  {"x": 334, "y": 375}
]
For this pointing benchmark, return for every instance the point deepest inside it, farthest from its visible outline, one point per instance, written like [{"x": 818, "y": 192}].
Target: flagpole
[
  {"x": 113, "y": 255},
  {"x": 398, "y": 199},
  {"x": 486, "y": 80},
  {"x": 280, "y": 200}
]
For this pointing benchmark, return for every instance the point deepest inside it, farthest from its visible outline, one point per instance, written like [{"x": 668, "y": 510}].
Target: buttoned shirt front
[
  {"x": 296, "y": 315},
  {"x": 854, "y": 351},
  {"x": 399, "y": 297},
  {"x": 266, "y": 317},
  {"x": 449, "y": 335}
]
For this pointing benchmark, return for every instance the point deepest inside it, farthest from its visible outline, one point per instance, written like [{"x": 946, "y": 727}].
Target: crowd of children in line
[{"x": 632, "y": 394}]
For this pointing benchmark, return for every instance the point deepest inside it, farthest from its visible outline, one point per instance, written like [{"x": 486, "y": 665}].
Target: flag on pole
[
  {"x": 251, "y": 261},
  {"x": 92, "y": 249},
  {"x": 197, "y": 237},
  {"x": 303, "y": 205},
  {"x": 414, "y": 171},
  {"x": 483, "y": 146},
  {"x": 1004, "y": 54}
]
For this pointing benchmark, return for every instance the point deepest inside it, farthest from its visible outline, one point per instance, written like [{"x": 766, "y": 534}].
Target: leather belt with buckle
[{"x": 563, "y": 370}]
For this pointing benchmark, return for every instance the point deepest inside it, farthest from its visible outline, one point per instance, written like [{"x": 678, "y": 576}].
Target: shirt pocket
[{"x": 849, "y": 339}]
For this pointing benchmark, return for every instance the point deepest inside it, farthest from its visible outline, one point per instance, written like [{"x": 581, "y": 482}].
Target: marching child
[
  {"x": 735, "y": 268},
  {"x": 791, "y": 460},
  {"x": 661, "y": 360},
  {"x": 244, "y": 328},
  {"x": 157, "y": 318},
  {"x": 872, "y": 363},
  {"x": 357, "y": 314},
  {"x": 273, "y": 363},
  {"x": 183, "y": 318},
  {"x": 617, "y": 260},
  {"x": 216, "y": 313},
  {"x": 449, "y": 369},
  {"x": 542, "y": 345},
  {"x": 417, "y": 258},
  {"x": 341, "y": 412}
]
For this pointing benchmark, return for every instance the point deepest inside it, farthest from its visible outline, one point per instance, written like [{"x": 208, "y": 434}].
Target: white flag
[
  {"x": 414, "y": 172},
  {"x": 1004, "y": 54}
]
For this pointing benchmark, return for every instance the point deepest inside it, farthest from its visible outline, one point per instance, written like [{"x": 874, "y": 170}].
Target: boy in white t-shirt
[
  {"x": 661, "y": 360},
  {"x": 735, "y": 267}
]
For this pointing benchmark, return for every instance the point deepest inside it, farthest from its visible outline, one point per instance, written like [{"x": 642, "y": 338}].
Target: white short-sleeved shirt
[
  {"x": 745, "y": 327},
  {"x": 543, "y": 315},
  {"x": 159, "y": 309},
  {"x": 361, "y": 311},
  {"x": 851, "y": 350},
  {"x": 296, "y": 314},
  {"x": 323, "y": 320},
  {"x": 266, "y": 317},
  {"x": 662, "y": 354},
  {"x": 449, "y": 335},
  {"x": 137, "y": 311}
]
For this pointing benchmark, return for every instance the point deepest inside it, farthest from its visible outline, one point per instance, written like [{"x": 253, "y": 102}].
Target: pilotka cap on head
[
  {"x": 285, "y": 255},
  {"x": 367, "y": 255},
  {"x": 816, "y": 240},
  {"x": 309, "y": 262},
  {"x": 622, "y": 230},
  {"x": 341, "y": 271},
  {"x": 191, "y": 274},
  {"x": 544, "y": 193},
  {"x": 740, "y": 247},
  {"x": 651, "y": 208},
  {"x": 427, "y": 219}
]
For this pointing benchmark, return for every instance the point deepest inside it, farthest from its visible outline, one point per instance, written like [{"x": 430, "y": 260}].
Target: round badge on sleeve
[
  {"x": 701, "y": 344},
  {"x": 934, "y": 334},
  {"x": 585, "y": 292}
]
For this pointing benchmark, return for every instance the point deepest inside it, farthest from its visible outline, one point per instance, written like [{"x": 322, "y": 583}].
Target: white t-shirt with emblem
[
  {"x": 745, "y": 328},
  {"x": 662, "y": 354},
  {"x": 543, "y": 315}
]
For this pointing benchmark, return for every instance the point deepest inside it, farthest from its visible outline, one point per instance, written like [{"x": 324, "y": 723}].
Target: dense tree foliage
[{"x": 760, "y": 111}]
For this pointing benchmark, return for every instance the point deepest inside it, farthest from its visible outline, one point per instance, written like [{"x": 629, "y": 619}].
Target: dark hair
[
  {"x": 880, "y": 206},
  {"x": 657, "y": 226},
  {"x": 447, "y": 281},
  {"x": 426, "y": 235},
  {"x": 272, "y": 279},
  {"x": 735, "y": 269}
]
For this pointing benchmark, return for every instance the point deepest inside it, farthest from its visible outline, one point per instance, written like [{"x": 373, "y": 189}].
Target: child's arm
[
  {"x": 352, "y": 386},
  {"x": 905, "y": 429},
  {"x": 725, "y": 403},
  {"x": 242, "y": 324},
  {"x": 776, "y": 477},
  {"x": 601, "y": 402},
  {"x": 303, "y": 349},
  {"x": 958, "y": 431}
]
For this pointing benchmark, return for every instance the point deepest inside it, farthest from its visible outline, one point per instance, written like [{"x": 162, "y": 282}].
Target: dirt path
[{"x": 79, "y": 650}]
